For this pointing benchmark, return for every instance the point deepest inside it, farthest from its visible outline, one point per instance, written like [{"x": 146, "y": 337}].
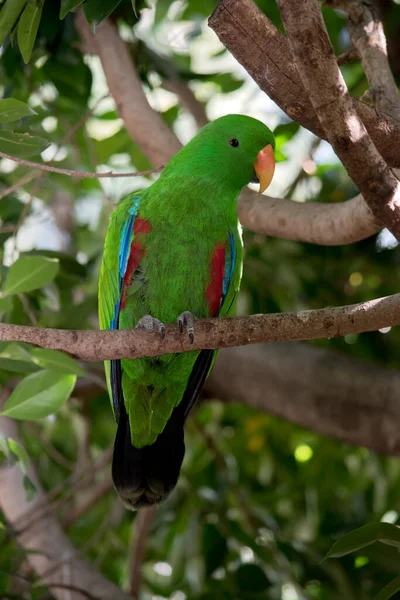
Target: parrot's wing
[
  {"x": 226, "y": 271},
  {"x": 123, "y": 251}
]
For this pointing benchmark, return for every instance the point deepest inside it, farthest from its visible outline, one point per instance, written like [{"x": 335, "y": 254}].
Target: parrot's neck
[{"x": 198, "y": 197}]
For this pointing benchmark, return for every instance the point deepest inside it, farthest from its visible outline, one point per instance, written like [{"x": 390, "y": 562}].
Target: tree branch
[
  {"x": 187, "y": 99},
  {"x": 214, "y": 333},
  {"x": 316, "y": 63},
  {"x": 265, "y": 54},
  {"x": 328, "y": 224},
  {"x": 368, "y": 39},
  {"x": 143, "y": 124},
  {"x": 46, "y": 538},
  {"x": 351, "y": 400}
]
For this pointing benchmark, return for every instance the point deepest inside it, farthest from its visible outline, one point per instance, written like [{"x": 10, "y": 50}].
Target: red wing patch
[
  {"x": 215, "y": 287},
  {"x": 137, "y": 250}
]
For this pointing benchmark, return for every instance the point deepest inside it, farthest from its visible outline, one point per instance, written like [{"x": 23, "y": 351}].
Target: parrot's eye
[{"x": 234, "y": 142}]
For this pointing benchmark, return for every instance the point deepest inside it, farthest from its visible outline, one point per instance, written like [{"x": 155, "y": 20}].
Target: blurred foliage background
[{"x": 260, "y": 501}]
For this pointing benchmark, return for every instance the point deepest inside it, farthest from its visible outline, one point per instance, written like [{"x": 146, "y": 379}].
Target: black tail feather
[{"x": 146, "y": 476}]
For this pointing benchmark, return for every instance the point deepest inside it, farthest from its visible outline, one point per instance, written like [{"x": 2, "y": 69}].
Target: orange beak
[{"x": 265, "y": 167}]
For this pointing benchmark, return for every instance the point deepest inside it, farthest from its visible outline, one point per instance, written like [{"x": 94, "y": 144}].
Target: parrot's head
[{"x": 234, "y": 150}]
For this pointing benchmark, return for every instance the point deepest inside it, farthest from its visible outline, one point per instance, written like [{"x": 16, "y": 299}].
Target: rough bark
[
  {"x": 351, "y": 400},
  {"x": 214, "y": 333},
  {"x": 265, "y": 54},
  {"x": 318, "y": 69}
]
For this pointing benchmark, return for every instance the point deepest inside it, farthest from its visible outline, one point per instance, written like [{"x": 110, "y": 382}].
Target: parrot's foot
[
  {"x": 187, "y": 318},
  {"x": 149, "y": 323}
]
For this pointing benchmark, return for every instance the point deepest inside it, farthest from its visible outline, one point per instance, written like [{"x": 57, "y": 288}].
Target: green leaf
[
  {"x": 95, "y": 11},
  {"x": 30, "y": 273},
  {"x": 56, "y": 361},
  {"x": 20, "y": 452},
  {"x": 389, "y": 590},
  {"x": 15, "y": 358},
  {"x": 13, "y": 110},
  {"x": 8, "y": 17},
  {"x": 28, "y": 27},
  {"x": 30, "y": 489},
  {"x": 39, "y": 395},
  {"x": 14, "y": 351},
  {"x": 67, "y": 6},
  {"x": 21, "y": 144},
  {"x": 5, "y": 304},
  {"x": 364, "y": 536}
]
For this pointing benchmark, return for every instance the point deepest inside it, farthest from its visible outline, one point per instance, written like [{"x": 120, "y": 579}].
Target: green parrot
[{"x": 173, "y": 252}]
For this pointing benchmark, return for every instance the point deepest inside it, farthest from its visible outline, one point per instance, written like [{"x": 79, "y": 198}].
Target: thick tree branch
[
  {"x": 54, "y": 552},
  {"x": 351, "y": 400},
  {"x": 368, "y": 38},
  {"x": 265, "y": 54},
  {"x": 328, "y": 224},
  {"x": 214, "y": 333},
  {"x": 143, "y": 124},
  {"x": 316, "y": 63}
]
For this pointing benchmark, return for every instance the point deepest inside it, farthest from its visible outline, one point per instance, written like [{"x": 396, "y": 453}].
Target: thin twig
[
  {"x": 214, "y": 333},
  {"x": 23, "y": 181},
  {"x": 96, "y": 494},
  {"x": 137, "y": 550},
  {"x": 72, "y": 588},
  {"x": 349, "y": 56},
  {"x": 80, "y": 174},
  {"x": 61, "y": 493}
]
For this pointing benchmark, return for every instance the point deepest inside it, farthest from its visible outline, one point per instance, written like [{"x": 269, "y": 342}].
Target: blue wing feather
[{"x": 124, "y": 250}]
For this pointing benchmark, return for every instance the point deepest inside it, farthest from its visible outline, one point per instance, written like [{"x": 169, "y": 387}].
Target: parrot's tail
[{"x": 145, "y": 476}]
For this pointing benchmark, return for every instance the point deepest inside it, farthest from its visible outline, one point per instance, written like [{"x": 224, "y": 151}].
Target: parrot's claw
[
  {"x": 187, "y": 318},
  {"x": 149, "y": 323}
]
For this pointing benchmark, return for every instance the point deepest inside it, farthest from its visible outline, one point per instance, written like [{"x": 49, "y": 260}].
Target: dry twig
[
  {"x": 80, "y": 174},
  {"x": 137, "y": 550}
]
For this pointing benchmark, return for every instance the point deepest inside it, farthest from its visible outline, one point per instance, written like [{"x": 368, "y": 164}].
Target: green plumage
[{"x": 177, "y": 226}]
